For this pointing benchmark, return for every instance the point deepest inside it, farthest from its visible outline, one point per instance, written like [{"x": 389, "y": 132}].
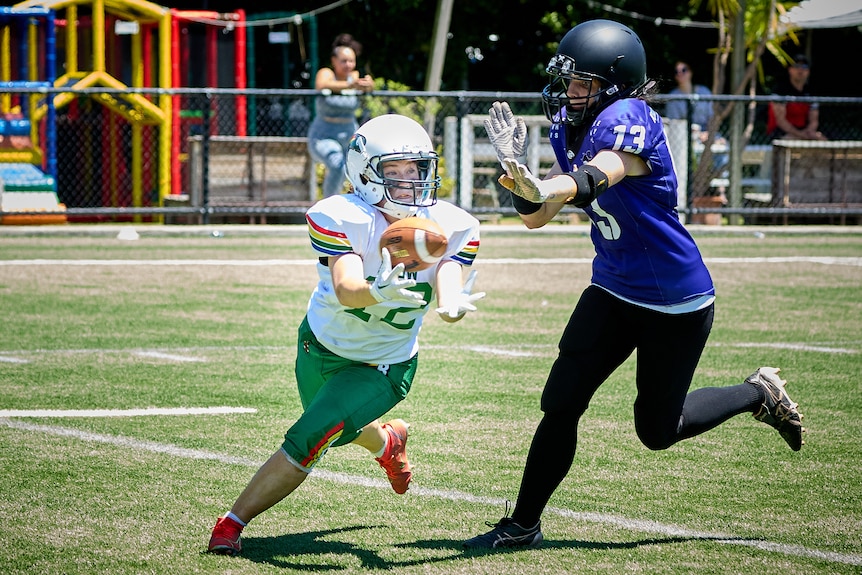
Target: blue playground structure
[{"x": 28, "y": 130}]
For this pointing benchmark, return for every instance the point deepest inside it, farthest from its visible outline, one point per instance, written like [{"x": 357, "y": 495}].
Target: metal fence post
[{"x": 205, "y": 149}]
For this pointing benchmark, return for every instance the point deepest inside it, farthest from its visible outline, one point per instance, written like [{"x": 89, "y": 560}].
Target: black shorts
[{"x": 602, "y": 333}]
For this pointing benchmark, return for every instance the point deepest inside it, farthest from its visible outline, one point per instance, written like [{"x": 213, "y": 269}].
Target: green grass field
[{"x": 182, "y": 319}]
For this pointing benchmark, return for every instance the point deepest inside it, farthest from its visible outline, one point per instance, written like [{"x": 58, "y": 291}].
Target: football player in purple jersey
[{"x": 650, "y": 290}]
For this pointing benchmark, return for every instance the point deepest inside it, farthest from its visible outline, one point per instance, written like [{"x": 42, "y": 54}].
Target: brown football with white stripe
[{"x": 418, "y": 243}]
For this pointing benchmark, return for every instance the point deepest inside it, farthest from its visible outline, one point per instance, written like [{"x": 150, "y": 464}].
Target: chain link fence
[{"x": 221, "y": 155}]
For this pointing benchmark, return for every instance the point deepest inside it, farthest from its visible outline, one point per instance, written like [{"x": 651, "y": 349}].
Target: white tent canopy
[{"x": 824, "y": 14}]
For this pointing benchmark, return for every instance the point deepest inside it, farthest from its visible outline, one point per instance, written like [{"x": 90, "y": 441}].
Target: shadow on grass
[
  {"x": 598, "y": 545},
  {"x": 298, "y": 550},
  {"x": 288, "y": 551}
]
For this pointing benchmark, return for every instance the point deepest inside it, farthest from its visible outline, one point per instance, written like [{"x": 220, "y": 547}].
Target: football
[{"x": 418, "y": 243}]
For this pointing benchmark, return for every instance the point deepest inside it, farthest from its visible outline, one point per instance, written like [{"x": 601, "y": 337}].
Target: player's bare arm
[
  {"x": 559, "y": 188},
  {"x": 348, "y": 279}
]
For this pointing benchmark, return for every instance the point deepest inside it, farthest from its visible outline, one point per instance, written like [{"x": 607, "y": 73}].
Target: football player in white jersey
[{"x": 357, "y": 346}]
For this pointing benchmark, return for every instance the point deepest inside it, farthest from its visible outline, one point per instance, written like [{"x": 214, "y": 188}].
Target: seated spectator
[
  {"x": 794, "y": 120},
  {"x": 702, "y": 109}
]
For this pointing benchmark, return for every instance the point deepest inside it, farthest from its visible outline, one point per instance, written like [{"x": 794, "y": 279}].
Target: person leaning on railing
[{"x": 335, "y": 121}]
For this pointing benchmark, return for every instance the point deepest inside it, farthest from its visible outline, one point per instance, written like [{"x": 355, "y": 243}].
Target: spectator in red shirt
[{"x": 794, "y": 120}]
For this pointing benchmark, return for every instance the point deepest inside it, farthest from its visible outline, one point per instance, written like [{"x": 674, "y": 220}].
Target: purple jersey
[{"x": 643, "y": 251}]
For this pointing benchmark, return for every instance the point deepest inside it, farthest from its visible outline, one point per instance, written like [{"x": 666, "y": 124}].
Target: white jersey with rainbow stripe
[{"x": 385, "y": 333}]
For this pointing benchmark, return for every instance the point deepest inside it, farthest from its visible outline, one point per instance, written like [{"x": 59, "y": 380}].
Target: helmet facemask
[
  {"x": 418, "y": 192},
  {"x": 397, "y": 197},
  {"x": 559, "y": 107}
]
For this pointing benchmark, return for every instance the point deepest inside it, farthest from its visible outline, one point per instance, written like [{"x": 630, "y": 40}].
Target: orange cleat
[{"x": 394, "y": 460}]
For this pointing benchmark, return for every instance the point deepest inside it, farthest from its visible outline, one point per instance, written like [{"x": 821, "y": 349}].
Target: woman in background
[{"x": 335, "y": 121}]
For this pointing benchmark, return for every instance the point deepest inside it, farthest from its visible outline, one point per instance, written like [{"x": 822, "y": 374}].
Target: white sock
[
  {"x": 380, "y": 453},
  {"x": 235, "y": 518}
]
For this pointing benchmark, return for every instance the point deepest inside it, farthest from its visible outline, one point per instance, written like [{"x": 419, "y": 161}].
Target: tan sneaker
[{"x": 778, "y": 410}]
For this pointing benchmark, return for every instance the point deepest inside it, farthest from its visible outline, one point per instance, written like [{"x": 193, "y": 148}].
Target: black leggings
[{"x": 601, "y": 334}]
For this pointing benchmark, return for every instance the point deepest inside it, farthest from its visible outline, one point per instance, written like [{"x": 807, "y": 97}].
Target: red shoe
[
  {"x": 394, "y": 460},
  {"x": 225, "y": 538}
]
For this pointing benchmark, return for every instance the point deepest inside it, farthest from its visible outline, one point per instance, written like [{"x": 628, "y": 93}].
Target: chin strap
[{"x": 397, "y": 210}]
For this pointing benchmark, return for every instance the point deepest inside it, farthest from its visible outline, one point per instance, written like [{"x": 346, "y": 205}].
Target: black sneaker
[
  {"x": 506, "y": 533},
  {"x": 778, "y": 410}
]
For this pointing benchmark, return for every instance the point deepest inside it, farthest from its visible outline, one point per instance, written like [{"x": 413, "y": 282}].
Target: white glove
[
  {"x": 390, "y": 286},
  {"x": 507, "y": 133},
  {"x": 463, "y": 302},
  {"x": 521, "y": 182}
]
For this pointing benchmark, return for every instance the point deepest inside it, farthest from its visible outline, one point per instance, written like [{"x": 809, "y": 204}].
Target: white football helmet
[{"x": 387, "y": 138}]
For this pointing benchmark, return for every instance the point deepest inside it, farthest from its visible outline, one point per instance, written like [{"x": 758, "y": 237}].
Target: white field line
[
  {"x": 522, "y": 350},
  {"x": 147, "y": 411},
  {"x": 490, "y": 350},
  {"x": 654, "y": 527},
  {"x": 826, "y": 260},
  {"x": 150, "y": 352},
  {"x": 794, "y": 346},
  {"x": 168, "y": 263},
  {"x": 167, "y": 356}
]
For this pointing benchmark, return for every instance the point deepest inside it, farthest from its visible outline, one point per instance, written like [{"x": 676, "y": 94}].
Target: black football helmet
[{"x": 597, "y": 49}]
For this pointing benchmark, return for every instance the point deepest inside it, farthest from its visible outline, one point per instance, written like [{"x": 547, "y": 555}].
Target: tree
[{"x": 761, "y": 33}]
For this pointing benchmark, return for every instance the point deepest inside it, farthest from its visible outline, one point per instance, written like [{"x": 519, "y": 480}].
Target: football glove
[
  {"x": 390, "y": 286},
  {"x": 463, "y": 302},
  {"x": 520, "y": 181},
  {"x": 508, "y": 133}
]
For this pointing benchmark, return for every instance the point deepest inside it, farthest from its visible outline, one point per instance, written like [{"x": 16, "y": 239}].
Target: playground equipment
[
  {"x": 27, "y": 145},
  {"x": 102, "y": 21},
  {"x": 186, "y": 117},
  {"x": 30, "y": 194},
  {"x": 127, "y": 146},
  {"x": 25, "y": 29}
]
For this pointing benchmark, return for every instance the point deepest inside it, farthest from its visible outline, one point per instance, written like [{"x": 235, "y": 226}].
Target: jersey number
[
  {"x": 390, "y": 318},
  {"x": 637, "y": 140},
  {"x": 605, "y": 222}
]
